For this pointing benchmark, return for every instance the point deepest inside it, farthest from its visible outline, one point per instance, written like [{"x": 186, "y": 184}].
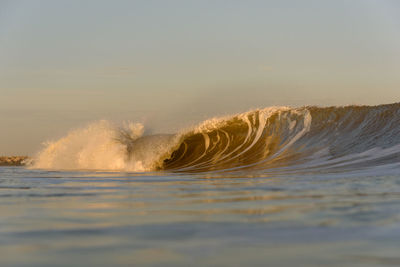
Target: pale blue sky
[{"x": 173, "y": 63}]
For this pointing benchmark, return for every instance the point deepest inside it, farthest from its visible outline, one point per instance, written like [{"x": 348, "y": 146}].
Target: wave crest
[{"x": 271, "y": 139}]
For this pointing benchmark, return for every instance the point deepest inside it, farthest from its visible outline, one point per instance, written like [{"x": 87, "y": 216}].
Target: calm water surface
[{"x": 55, "y": 218}]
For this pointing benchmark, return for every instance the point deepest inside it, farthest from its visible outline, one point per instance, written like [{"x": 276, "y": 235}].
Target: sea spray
[{"x": 94, "y": 147}]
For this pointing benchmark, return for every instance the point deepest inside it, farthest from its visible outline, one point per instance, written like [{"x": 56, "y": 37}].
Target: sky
[{"x": 169, "y": 64}]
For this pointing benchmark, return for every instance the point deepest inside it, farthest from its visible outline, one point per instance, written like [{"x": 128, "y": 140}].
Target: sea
[{"x": 279, "y": 186}]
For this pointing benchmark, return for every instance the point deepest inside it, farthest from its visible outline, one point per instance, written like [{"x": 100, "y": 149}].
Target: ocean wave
[{"x": 274, "y": 139}]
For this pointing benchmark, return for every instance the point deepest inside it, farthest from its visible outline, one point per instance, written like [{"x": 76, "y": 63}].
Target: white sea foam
[{"x": 94, "y": 147}]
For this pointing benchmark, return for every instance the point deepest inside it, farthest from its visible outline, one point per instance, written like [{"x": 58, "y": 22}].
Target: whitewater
[{"x": 269, "y": 140}]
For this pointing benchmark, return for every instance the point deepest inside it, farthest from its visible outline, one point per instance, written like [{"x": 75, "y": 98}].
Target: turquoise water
[{"x": 59, "y": 218}]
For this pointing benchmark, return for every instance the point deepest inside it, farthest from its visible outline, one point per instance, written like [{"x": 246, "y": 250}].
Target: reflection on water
[{"x": 81, "y": 218}]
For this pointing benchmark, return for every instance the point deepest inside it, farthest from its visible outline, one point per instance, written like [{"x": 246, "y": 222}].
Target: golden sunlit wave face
[{"x": 270, "y": 140}]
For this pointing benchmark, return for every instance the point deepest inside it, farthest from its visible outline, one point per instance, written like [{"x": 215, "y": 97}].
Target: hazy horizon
[{"x": 172, "y": 64}]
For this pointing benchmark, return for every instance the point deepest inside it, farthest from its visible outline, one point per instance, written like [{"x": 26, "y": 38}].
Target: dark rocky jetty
[{"x": 13, "y": 160}]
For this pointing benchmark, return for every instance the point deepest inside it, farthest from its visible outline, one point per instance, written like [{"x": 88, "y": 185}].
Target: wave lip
[
  {"x": 274, "y": 139},
  {"x": 246, "y": 140}
]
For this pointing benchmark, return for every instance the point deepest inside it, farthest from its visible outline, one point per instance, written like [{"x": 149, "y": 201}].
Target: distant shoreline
[{"x": 13, "y": 160}]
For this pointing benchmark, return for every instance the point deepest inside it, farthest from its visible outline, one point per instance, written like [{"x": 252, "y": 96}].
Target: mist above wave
[{"x": 100, "y": 145}]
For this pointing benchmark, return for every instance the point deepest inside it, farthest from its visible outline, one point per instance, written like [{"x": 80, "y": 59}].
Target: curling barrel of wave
[
  {"x": 285, "y": 139},
  {"x": 275, "y": 139}
]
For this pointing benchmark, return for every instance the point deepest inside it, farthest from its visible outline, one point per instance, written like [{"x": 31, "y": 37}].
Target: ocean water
[{"x": 270, "y": 187}]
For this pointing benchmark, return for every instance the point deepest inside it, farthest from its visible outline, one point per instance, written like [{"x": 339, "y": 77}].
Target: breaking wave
[{"x": 274, "y": 139}]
